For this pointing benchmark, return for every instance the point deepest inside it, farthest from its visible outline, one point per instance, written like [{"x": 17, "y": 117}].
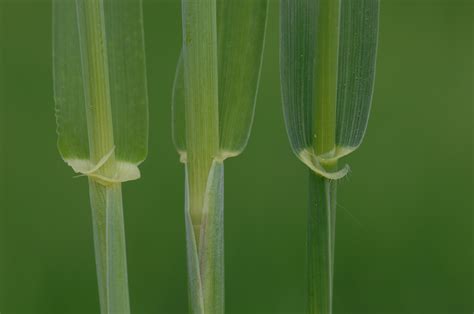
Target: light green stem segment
[
  {"x": 321, "y": 239},
  {"x": 110, "y": 253},
  {"x": 326, "y": 69},
  {"x": 106, "y": 201},
  {"x": 206, "y": 252}
]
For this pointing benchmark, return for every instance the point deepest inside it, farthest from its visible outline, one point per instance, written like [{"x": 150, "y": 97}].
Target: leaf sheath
[
  {"x": 206, "y": 257},
  {"x": 102, "y": 118},
  {"x": 110, "y": 248},
  {"x": 328, "y": 50},
  {"x": 213, "y": 105}
]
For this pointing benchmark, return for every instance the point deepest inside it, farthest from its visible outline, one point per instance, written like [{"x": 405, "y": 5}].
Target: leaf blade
[
  {"x": 356, "y": 77},
  {"x": 127, "y": 75},
  {"x": 297, "y": 55},
  {"x": 241, "y": 28},
  {"x": 126, "y": 86},
  {"x": 311, "y": 128},
  {"x": 68, "y": 83}
]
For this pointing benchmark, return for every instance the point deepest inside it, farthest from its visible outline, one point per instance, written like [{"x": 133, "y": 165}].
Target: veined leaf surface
[
  {"x": 241, "y": 33},
  {"x": 301, "y": 60},
  {"x": 124, "y": 82},
  {"x": 356, "y": 77},
  {"x": 201, "y": 98},
  {"x": 240, "y": 38}
]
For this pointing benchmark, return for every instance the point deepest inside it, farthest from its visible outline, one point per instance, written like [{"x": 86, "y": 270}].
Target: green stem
[
  {"x": 110, "y": 251},
  {"x": 106, "y": 200},
  {"x": 321, "y": 239},
  {"x": 206, "y": 253}
]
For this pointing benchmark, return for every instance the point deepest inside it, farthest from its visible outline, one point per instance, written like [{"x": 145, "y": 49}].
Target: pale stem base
[{"x": 109, "y": 243}]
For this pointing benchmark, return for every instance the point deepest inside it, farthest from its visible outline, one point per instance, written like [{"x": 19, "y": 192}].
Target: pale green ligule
[
  {"x": 125, "y": 86},
  {"x": 315, "y": 163},
  {"x": 357, "y": 58},
  {"x": 125, "y": 171}
]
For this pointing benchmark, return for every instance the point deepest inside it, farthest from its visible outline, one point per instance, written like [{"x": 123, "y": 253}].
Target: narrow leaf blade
[
  {"x": 126, "y": 86},
  {"x": 357, "y": 58},
  {"x": 241, "y": 29},
  {"x": 297, "y": 55},
  {"x": 68, "y": 83},
  {"x": 241, "y": 33}
]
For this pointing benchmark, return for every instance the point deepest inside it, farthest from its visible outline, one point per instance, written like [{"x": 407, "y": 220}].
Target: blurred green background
[{"x": 404, "y": 231}]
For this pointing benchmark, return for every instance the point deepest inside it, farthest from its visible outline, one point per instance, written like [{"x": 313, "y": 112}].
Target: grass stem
[
  {"x": 206, "y": 256},
  {"x": 321, "y": 239},
  {"x": 109, "y": 242},
  {"x": 106, "y": 200}
]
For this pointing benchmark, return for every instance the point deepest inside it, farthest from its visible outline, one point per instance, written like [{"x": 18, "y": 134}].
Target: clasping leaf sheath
[
  {"x": 213, "y": 106},
  {"x": 122, "y": 81},
  {"x": 102, "y": 119},
  {"x": 327, "y": 58},
  {"x": 312, "y": 38}
]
